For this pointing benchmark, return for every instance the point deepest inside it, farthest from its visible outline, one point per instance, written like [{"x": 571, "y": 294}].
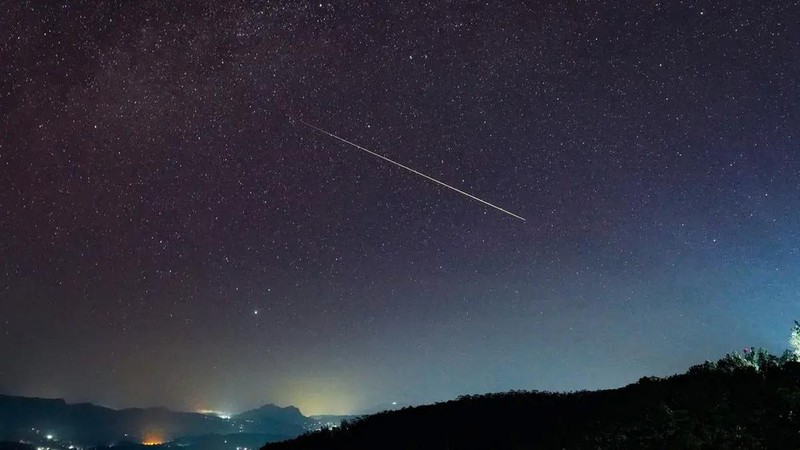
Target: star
[{"x": 158, "y": 193}]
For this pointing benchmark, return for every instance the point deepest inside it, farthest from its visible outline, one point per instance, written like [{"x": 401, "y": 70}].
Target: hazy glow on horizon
[
  {"x": 153, "y": 437},
  {"x": 170, "y": 237}
]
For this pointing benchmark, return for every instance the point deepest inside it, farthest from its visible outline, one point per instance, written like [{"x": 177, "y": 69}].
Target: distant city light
[
  {"x": 220, "y": 414},
  {"x": 49, "y": 437},
  {"x": 153, "y": 437}
]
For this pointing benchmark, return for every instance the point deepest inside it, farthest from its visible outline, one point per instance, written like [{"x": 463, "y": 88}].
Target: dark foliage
[{"x": 749, "y": 400}]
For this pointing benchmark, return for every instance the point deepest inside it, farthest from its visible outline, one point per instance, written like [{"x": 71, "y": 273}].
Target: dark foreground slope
[{"x": 715, "y": 405}]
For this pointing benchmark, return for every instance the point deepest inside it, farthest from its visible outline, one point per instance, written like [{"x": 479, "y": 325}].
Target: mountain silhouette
[
  {"x": 278, "y": 420},
  {"x": 85, "y": 424},
  {"x": 743, "y": 401}
]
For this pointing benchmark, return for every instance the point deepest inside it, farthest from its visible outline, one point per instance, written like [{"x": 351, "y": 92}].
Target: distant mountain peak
[
  {"x": 23, "y": 418},
  {"x": 274, "y": 412},
  {"x": 272, "y": 406}
]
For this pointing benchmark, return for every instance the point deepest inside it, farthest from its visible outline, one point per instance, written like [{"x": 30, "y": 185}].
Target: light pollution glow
[
  {"x": 153, "y": 437},
  {"x": 322, "y": 395}
]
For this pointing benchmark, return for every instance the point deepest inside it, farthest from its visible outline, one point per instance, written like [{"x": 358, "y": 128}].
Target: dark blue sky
[{"x": 172, "y": 235}]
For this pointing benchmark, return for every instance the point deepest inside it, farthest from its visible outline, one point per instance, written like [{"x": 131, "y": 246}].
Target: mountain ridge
[
  {"x": 741, "y": 401},
  {"x": 89, "y": 424}
]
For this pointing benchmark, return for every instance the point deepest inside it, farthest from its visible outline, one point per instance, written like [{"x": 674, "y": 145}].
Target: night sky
[{"x": 172, "y": 234}]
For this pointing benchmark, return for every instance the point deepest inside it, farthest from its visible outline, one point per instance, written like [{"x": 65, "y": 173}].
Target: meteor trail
[{"x": 412, "y": 170}]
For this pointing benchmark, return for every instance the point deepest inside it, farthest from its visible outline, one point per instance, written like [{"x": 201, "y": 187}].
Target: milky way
[{"x": 169, "y": 237}]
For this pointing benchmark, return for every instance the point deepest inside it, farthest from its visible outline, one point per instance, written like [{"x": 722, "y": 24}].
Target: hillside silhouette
[
  {"x": 748, "y": 400},
  {"x": 84, "y": 424}
]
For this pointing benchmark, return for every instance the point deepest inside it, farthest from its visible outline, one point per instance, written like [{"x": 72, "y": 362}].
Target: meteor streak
[{"x": 412, "y": 170}]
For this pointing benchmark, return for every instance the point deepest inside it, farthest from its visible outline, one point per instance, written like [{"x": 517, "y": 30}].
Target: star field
[{"x": 171, "y": 234}]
